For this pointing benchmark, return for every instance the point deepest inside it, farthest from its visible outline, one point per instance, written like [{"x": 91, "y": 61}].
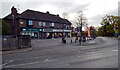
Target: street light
[{"x": 13, "y": 25}]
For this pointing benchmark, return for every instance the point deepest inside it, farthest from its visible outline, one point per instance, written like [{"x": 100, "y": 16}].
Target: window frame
[
  {"x": 40, "y": 22},
  {"x": 30, "y": 22},
  {"x": 44, "y": 23}
]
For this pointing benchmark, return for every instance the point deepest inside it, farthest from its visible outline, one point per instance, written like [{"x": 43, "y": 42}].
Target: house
[{"x": 37, "y": 24}]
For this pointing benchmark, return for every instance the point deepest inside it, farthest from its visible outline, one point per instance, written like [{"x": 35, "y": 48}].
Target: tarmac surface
[{"x": 101, "y": 52}]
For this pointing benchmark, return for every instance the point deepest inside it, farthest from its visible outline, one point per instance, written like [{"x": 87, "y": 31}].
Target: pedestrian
[
  {"x": 71, "y": 38},
  {"x": 76, "y": 39}
]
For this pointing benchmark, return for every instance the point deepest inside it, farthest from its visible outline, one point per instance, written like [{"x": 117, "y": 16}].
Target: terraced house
[{"x": 37, "y": 24}]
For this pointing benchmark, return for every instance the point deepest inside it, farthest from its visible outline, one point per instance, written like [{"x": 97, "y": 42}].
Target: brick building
[{"x": 37, "y": 24}]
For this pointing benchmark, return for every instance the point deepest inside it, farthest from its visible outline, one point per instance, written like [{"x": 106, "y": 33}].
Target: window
[
  {"x": 52, "y": 24},
  {"x": 22, "y": 33},
  {"x": 40, "y": 23},
  {"x": 64, "y": 26},
  {"x": 32, "y": 34},
  {"x": 21, "y": 22},
  {"x": 30, "y": 22},
  {"x": 59, "y": 25},
  {"x": 44, "y": 24}
]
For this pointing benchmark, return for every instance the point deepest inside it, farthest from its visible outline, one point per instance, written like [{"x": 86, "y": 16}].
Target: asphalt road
[{"x": 99, "y": 53}]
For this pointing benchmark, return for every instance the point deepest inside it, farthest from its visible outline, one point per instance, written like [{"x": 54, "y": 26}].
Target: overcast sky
[{"x": 94, "y": 10}]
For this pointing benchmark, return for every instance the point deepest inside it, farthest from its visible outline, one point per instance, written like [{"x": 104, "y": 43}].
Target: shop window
[
  {"x": 32, "y": 33},
  {"x": 22, "y": 33}
]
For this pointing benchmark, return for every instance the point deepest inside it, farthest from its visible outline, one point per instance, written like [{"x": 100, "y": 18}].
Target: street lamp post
[{"x": 13, "y": 25}]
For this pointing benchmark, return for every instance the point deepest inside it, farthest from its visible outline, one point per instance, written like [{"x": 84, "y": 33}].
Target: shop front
[
  {"x": 45, "y": 33},
  {"x": 33, "y": 32},
  {"x": 55, "y": 33}
]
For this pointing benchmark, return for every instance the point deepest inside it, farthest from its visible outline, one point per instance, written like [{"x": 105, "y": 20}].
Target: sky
[{"x": 93, "y": 10}]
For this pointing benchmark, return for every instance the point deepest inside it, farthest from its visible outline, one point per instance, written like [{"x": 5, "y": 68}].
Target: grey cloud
[
  {"x": 95, "y": 21},
  {"x": 6, "y": 7},
  {"x": 79, "y": 7}
]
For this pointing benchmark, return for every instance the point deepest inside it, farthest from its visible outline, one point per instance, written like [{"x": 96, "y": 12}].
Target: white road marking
[
  {"x": 115, "y": 50},
  {"x": 31, "y": 63},
  {"x": 92, "y": 42},
  {"x": 45, "y": 60},
  {"x": 78, "y": 56},
  {"x": 78, "y": 51},
  {"x": 27, "y": 58},
  {"x": 7, "y": 62},
  {"x": 91, "y": 52},
  {"x": 22, "y": 64}
]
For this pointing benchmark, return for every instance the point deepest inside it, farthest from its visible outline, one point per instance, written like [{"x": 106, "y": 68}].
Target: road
[{"x": 103, "y": 53}]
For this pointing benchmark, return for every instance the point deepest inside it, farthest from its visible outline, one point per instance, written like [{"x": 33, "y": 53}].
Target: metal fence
[{"x": 9, "y": 43}]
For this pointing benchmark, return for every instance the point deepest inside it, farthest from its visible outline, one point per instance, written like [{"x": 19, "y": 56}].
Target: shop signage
[
  {"x": 32, "y": 29},
  {"x": 56, "y": 30}
]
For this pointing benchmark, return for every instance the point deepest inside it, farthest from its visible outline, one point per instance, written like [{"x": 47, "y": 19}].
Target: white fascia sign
[
  {"x": 67, "y": 30},
  {"x": 57, "y": 30}
]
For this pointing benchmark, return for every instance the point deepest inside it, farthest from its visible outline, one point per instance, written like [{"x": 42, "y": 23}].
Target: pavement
[
  {"x": 101, "y": 52},
  {"x": 16, "y": 51}
]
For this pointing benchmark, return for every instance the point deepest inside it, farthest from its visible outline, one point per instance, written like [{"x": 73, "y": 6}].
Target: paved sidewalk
[{"x": 16, "y": 51}]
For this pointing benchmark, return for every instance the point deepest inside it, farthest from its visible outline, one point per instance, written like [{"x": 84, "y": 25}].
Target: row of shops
[{"x": 45, "y": 33}]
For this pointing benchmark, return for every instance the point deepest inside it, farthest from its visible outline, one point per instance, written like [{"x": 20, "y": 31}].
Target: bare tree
[
  {"x": 80, "y": 20},
  {"x": 65, "y": 15}
]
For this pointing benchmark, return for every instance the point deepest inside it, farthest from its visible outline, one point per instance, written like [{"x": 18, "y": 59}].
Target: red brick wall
[
  {"x": 56, "y": 25},
  {"x": 9, "y": 22},
  {"x": 36, "y": 24},
  {"x": 47, "y": 24}
]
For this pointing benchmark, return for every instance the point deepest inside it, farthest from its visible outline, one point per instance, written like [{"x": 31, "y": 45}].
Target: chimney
[
  {"x": 14, "y": 11},
  {"x": 14, "y": 21},
  {"x": 58, "y": 15},
  {"x": 47, "y": 12}
]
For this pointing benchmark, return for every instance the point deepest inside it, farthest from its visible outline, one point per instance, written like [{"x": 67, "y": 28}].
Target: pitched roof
[
  {"x": 35, "y": 15},
  {"x": 10, "y": 16}
]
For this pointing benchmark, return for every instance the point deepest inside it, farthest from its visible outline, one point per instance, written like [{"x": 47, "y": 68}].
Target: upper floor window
[
  {"x": 64, "y": 26},
  {"x": 44, "y": 24},
  {"x": 30, "y": 22},
  {"x": 59, "y": 25},
  {"x": 21, "y": 22},
  {"x": 40, "y": 23},
  {"x": 52, "y": 24}
]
